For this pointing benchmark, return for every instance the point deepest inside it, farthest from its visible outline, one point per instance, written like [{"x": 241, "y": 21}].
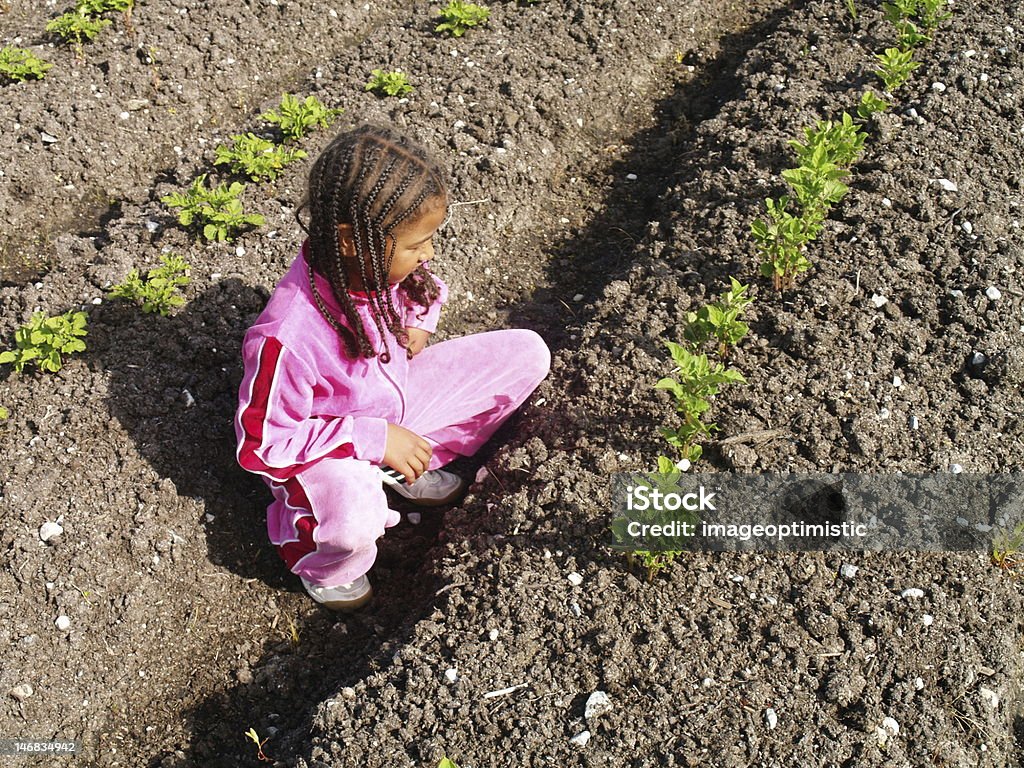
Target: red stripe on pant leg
[
  {"x": 294, "y": 551},
  {"x": 255, "y": 412}
]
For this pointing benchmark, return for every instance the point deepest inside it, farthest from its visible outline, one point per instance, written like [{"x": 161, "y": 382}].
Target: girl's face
[{"x": 413, "y": 244}]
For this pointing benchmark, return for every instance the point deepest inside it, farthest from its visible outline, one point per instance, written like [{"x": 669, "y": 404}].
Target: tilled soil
[{"x": 611, "y": 156}]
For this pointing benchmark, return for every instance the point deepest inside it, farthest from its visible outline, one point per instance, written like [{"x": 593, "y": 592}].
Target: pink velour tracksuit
[{"x": 313, "y": 422}]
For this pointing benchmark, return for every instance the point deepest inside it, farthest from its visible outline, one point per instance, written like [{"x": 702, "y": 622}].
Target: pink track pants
[{"x": 458, "y": 393}]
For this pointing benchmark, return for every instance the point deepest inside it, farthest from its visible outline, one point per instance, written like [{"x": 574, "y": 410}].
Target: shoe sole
[{"x": 395, "y": 479}]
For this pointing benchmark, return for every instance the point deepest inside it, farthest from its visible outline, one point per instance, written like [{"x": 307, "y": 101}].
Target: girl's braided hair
[{"x": 373, "y": 179}]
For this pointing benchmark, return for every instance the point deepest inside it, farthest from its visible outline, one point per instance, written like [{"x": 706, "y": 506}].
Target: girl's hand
[
  {"x": 417, "y": 341},
  {"x": 407, "y": 452}
]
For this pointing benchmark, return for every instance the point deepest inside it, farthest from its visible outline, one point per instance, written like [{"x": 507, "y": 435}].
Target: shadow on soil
[{"x": 177, "y": 399}]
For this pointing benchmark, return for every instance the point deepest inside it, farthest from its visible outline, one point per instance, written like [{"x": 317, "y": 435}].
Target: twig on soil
[
  {"x": 505, "y": 691},
  {"x": 456, "y": 205},
  {"x": 756, "y": 436},
  {"x": 446, "y": 587}
]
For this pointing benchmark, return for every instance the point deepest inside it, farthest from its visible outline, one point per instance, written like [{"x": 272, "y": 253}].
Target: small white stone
[
  {"x": 451, "y": 674},
  {"x": 348, "y": 692},
  {"x": 978, "y": 358},
  {"x": 575, "y": 579},
  {"x": 187, "y": 399},
  {"x": 956, "y": 294},
  {"x": 240, "y": 250},
  {"x": 848, "y": 570},
  {"x": 956, "y": 469},
  {"x": 963, "y": 522},
  {"x": 493, "y": 635},
  {"x": 897, "y": 382},
  {"x": 414, "y": 517},
  {"x": 919, "y": 683},
  {"x": 707, "y": 682},
  {"x": 22, "y": 691},
  {"x": 152, "y": 226},
  {"x": 581, "y": 739},
  {"x": 124, "y": 115},
  {"x": 458, "y": 125},
  {"x": 983, "y": 77},
  {"x": 938, "y": 87},
  {"x": 993, "y": 293},
  {"x": 927, "y": 619},
  {"x": 947, "y": 185},
  {"x": 912, "y": 592},
  {"x": 597, "y": 704},
  {"x": 50, "y": 530},
  {"x": 683, "y": 465},
  {"x": 47, "y": 138},
  {"x": 914, "y": 423},
  {"x": 97, "y": 301},
  {"x": 990, "y": 696},
  {"x": 969, "y": 53},
  {"x": 967, "y": 227},
  {"x": 771, "y": 718},
  {"x": 578, "y": 297},
  {"x": 890, "y": 725},
  {"x": 63, "y": 623},
  {"x": 878, "y": 301},
  {"x": 631, "y": 177},
  {"x": 883, "y": 414},
  {"x": 887, "y": 202}
]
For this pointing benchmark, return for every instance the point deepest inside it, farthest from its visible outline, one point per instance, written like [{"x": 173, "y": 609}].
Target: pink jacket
[{"x": 301, "y": 398}]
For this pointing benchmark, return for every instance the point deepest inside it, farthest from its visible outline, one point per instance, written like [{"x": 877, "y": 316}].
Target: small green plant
[
  {"x": 389, "y": 83},
  {"x": 44, "y": 340},
  {"x": 896, "y": 66},
  {"x": 97, "y": 7},
  {"x": 909, "y": 36},
  {"x": 255, "y": 157},
  {"x": 218, "y": 211},
  {"x": 899, "y": 10},
  {"x": 1008, "y": 549},
  {"x": 457, "y": 17},
  {"x": 4, "y": 413},
  {"x": 931, "y": 14},
  {"x": 19, "y": 64},
  {"x": 251, "y": 734},
  {"x": 871, "y": 103},
  {"x": 719, "y": 321},
  {"x": 447, "y": 763},
  {"x": 851, "y": 8},
  {"x": 781, "y": 239},
  {"x": 840, "y": 142},
  {"x": 816, "y": 184},
  {"x": 697, "y": 380},
  {"x": 297, "y": 117},
  {"x": 76, "y": 27},
  {"x": 158, "y": 292}
]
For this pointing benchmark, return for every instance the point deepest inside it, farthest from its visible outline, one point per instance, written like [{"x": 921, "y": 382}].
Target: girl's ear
[{"x": 348, "y": 243}]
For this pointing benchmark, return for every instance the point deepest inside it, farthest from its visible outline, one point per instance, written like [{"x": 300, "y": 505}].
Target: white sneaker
[
  {"x": 434, "y": 488},
  {"x": 344, "y": 597}
]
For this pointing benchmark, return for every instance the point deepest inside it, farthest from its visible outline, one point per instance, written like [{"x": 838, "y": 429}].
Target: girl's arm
[{"x": 277, "y": 433}]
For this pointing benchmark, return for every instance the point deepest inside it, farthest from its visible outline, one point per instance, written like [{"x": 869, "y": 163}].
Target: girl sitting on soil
[{"x": 339, "y": 384}]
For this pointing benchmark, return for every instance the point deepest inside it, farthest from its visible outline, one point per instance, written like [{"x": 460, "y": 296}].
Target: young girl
[{"x": 339, "y": 381}]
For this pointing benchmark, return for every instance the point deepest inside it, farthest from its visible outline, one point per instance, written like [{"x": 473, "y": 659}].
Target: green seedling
[
  {"x": 851, "y": 9},
  {"x": 218, "y": 211},
  {"x": 899, "y": 10},
  {"x": 1008, "y": 549},
  {"x": 720, "y": 321},
  {"x": 98, "y": 7},
  {"x": 457, "y": 17},
  {"x": 44, "y": 340},
  {"x": 76, "y": 27},
  {"x": 816, "y": 184},
  {"x": 447, "y": 763},
  {"x": 781, "y": 239},
  {"x": 4, "y": 413},
  {"x": 19, "y": 64},
  {"x": 930, "y": 13},
  {"x": 255, "y": 157},
  {"x": 251, "y": 734},
  {"x": 388, "y": 83},
  {"x": 665, "y": 480},
  {"x": 896, "y": 67},
  {"x": 697, "y": 380},
  {"x": 158, "y": 292},
  {"x": 910, "y": 36},
  {"x": 298, "y": 117},
  {"x": 842, "y": 142},
  {"x": 871, "y": 103}
]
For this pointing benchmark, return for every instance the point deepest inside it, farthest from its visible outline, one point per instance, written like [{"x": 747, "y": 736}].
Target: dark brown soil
[{"x": 186, "y": 628}]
